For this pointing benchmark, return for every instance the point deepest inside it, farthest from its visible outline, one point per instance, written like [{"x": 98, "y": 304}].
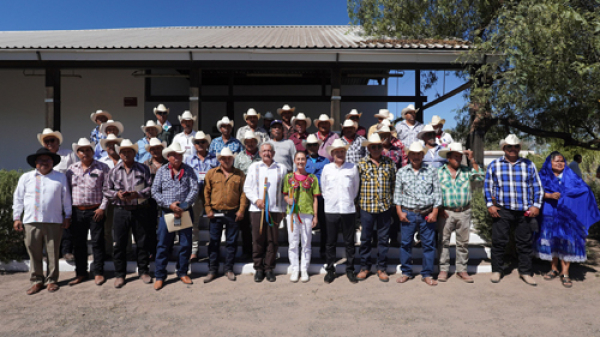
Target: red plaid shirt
[{"x": 87, "y": 187}]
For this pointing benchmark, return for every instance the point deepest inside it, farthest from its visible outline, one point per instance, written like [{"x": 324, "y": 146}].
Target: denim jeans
[
  {"x": 417, "y": 220},
  {"x": 164, "y": 246},
  {"x": 383, "y": 221},
  {"x": 215, "y": 229}
]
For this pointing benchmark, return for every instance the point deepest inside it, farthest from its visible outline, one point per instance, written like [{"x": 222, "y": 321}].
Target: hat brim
[
  {"x": 280, "y": 110},
  {"x": 104, "y": 141},
  {"x": 381, "y": 116},
  {"x": 444, "y": 152},
  {"x": 157, "y": 127},
  {"x": 406, "y": 110},
  {"x": 257, "y": 115},
  {"x": 331, "y": 148},
  {"x": 206, "y": 138},
  {"x": 148, "y": 146},
  {"x": 350, "y": 115},
  {"x": 56, "y": 134},
  {"x": 307, "y": 120},
  {"x": 503, "y": 143},
  {"x": 442, "y": 121},
  {"x": 33, "y": 157},
  {"x": 304, "y": 143},
  {"x": 134, "y": 147},
  {"x": 353, "y": 126},
  {"x": 165, "y": 152},
  {"x": 243, "y": 140},
  {"x": 156, "y": 110},
  {"x": 318, "y": 121},
  {"x": 366, "y": 143},
  {"x": 94, "y": 115},
  {"x": 76, "y": 147},
  {"x": 220, "y": 123},
  {"x": 220, "y": 155},
  {"x": 186, "y": 119},
  {"x": 119, "y": 126}
]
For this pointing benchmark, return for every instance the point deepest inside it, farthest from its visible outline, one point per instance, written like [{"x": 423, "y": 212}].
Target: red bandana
[{"x": 179, "y": 175}]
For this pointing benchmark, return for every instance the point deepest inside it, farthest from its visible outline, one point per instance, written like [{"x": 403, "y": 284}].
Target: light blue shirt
[{"x": 142, "y": 155}]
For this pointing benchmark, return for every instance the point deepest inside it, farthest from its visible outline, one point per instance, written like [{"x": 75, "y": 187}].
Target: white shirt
[
  {"x": 108, "y": 161},
  {"x": 444, "y": 139},
  {"x": 54, "y": 196},
  {"x": 67, "y": 157},
  {"x": 186, "y": 142},
  {"x": 339, "y": 187},
  {"x": 254, "y": 185}
]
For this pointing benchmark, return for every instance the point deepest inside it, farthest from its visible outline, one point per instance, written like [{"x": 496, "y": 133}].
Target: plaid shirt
[
  {"x": 96, "y": 135},
  {"x": 243, "y": 160},
  {"x": 87, "y": 187},
  {"x": 457, "y": 192},
  {"x": 218, "y": 144},
  {"x": 514, "y": 186},
  {"x": 376, "y": 184},
  {"x": 166, "y": 189},
  {"x": 407, "y": 135},
  {"x": 119, "y": 180},
  {"x": 356, "y": 151},
  {"x": 417, "y": 190}
]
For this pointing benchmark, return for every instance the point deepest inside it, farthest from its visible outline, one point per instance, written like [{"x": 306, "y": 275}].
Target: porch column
[
  {"x": 52, "y": 100},
  {"x": 195, "y": 101},
  {"x": 336, "y": 98}
]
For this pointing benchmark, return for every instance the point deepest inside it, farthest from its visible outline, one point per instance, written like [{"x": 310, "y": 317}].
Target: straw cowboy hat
[
  {"x": 250, "y": 135},
  {"x": 110, "y": 122},
  {"x": 251, "y": 112},
  {"x": 385, "y": 114},
  {"x": 337, "y": 144},
  {"x": 83, "y": 142},
  {"x": 373, "y": 139},
  {"x": 385, "y": 123},
  {"x": 126, "y": 144},
  {"x": 285, "y": 108},
  {"x": 435, "y": 120},
  {"x": 175, "y": 147},
  {"x": 301, "y": 117},
  {"x": 108, "y": 139},
  {"x": 383, "y": 129},
  {"x": 353, "y": 112},
  {"x": 311, "y": 139},
  {"x": 428, "y": 128},
  {"x": 95, "y": 115},
  {"x": 348, "y": 123},
  {"x": 323, "y": 118},
  {"x": 151, "y": 124},
  {"x": 269, "y": 116},
  {"x": 186, "y": 116},
  {"x": 409, "y": 108},
  {"x": 453, "y": 147},
  {"x": 225, "y": 152},
  {"x": 161, "y": 108},
  {"x": 224, "y": 121},
  {"x": 155, "y": 142},
  {"x": 416, "y": 147},
  {"x": 511, "y": 139},
  {"x": 201, "y": 135},
  {"x": 43, "y": 152},
  {"x": 47, "y": 132}
]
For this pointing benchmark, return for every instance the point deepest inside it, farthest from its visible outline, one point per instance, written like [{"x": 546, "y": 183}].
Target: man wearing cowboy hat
[
  {"x": 513, "y": 195},
  {"x": 340, "y": 182},
  {"x": 284, "y": 149},
  {"x": 323, "y": 124},
  {"x": 224, "y": 194},
  {"x": 354, "y": 116},
  {"x": 225, "y": 126},
  {"x": 150, "y": 131},
  {"x": 409, "y": 128},
  {"x": 42, "y": 207},
  {"x": 354, "y": 141},
  {"x": 268, "y": 118},
  {"x": 251, "y": 117},
  {"x": 156, "y": 161},
  {"x": 377, "y": 177},
  {"x": 428, "y": 139},
  {"x": 175, "y": 189},
  {"x": 384, "y": 116},
  {"x": 98, "y": 117},
  {"x": 111, "y": 127},
  {"x": 87, "y": 181},
  {"x": 108, "y": 145},
  {"x": 162, "y": 119},
  {"x": 300, "y": 124},
  {"x": 417, "y": 197},
  {"x": 286, "y": 113},
  {"x": 456, "y": 212},
  {"x": 184, "y": 139},
  {"x": 441, "y": 137},
  {"x": 201, "y": 162},
  {"x": 129, "y": 190},
  {"x": 392, "y": 147}
]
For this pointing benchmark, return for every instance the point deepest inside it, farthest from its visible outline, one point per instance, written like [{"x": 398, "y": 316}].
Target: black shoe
[
  {"x": 259, "y": 276},
  {"x": 351, "y": 277},
  {"x": 330, "y": 277},
  {"x": 271, "y": 276}
]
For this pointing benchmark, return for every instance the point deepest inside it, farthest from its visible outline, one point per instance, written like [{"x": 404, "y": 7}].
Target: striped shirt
[
  {"x": 87, "y": 187},
  {"x": 376, "y": 184},
  {"x": 514, "y": 186},
  {"x": 456, "y": 192},
  {"x": 417, "y": 190},
  {"x": 138, "y": 179},
  {"x": 355, "y": 152}
]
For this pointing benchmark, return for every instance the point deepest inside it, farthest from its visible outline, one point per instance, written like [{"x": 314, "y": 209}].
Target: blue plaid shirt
[
  {"x": 218, "y": 144},
  {"x": 167, "y": 190},
  {"x": 96, "y": 135},
  {"x": 201, "y": 167},
  {"x": 514, "y": 186}
]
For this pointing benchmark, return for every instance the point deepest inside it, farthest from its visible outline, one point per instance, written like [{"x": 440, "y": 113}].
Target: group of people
[{"x": 409, "y": 178}]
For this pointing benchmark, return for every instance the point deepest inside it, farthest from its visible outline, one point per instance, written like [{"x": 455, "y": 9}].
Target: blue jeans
[
  {"x": 232, "y": 231},
  {"x": 427, "y": 240},
  {"x": 164, "y": 246},
  {"x": 368, "y": 221}
]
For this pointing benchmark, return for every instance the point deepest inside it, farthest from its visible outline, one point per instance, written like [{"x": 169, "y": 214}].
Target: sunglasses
[
  {"x": 201, "y": 142},
  {"x": 162, "y": 113},
  {"x": 354, "y": 118},
  {"x": 50, "y": 140},
  {"x": 312, "y": 144},
  {"x": 512, "y": 146},
  {"x": 378, "y": 146}
]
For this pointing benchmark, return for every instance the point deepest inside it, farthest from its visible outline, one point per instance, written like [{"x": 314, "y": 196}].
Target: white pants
[{"x": 302, "y": 231}]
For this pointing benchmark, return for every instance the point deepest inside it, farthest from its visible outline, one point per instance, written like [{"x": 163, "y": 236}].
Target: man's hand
[
  {"x": 98, "y": 215},
  {"x": 133, "y": 195},
  {"x": 211, "y": 215},
  {"x": 402, "y": 215},
  {"x": 315, "y": 221},
  {"x": 445, "y": 214},
  {"x": 260, "y": 203},
  {"x": 493, "y": 210},
  {"x": 18, "y": 225},
  {"x": 289, "y": 200},
  {"x": 176, "y": 209},
  {"x": 432, "y": 217},
  {"x": 239, "y": 216},
  {"x": 66, "y": 223},
  {"x": 121, "y": 195},
  {"x": 555, "y": 195},
  {"x": 469, "y": 154},
  {"x": 533, "y": 211}
]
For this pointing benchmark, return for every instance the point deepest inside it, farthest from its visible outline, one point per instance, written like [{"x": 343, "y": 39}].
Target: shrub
[
  {"x": 482, "y": 220},
  {"x": 11, "y": 241}
]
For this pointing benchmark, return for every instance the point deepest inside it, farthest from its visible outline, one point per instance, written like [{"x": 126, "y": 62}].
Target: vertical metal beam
[
  {"x": 52, "y": 99},
  {"x": 230, "y": 99},
  {"x": 336, "y": 97},
  {"x": 195, "y": 94},
  {"x": 418, "y": 103}
]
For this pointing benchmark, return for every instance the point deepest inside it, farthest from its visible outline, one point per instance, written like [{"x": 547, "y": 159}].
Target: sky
[{"x": 85, "y": 14}]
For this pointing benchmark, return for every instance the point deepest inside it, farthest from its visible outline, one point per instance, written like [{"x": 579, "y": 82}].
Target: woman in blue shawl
[{"x": 568, "y": 211}]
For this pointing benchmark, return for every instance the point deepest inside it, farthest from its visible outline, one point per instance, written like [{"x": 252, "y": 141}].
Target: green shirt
[
  {"x": 457, "y": 192},
  {"x": 303, "y": 192}
]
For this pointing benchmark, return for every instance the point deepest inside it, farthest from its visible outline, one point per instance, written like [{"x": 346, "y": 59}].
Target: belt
[
  {"x": 225, "y": 210},
  {"x": 86, "y": 207},
  {"x": 458, "y": 209},
  {"x": 421, "y": 211},
  {"x": 131, "y": 207}
]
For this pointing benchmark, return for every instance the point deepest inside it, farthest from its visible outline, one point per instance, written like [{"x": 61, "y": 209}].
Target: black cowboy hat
[{"x": 43, "y": 152}]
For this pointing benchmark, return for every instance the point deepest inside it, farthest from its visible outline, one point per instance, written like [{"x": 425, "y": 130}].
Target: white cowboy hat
[
  {"x": 251, "y": 112},
  {"x": 225, "y": 152},
  {"x": 269, "y": 115},
  {"x": 311, "y": 139},
  {"x": 385, "y": 114},
  {"x": 224, "y": 121},
  {"x": 201, "y": 135},
  {"x": 409, "y": 108},
  {"x": 151, "y": 124},
  {"x": 353, "y": 112},
  {"x": 348, "y": 123},
  {"x": 323, "y": 118},
  {"x": 100, "y": 113},
  {"x": 373, "y": 139},
  {"x": 83, "y": 142},
  {"x": 452, "y": 147},
  {"x": 383, "y": 129},
  {"x": 337, "y": 144},
  {"x": 126, "y": 144},
  {"x": 161, "y": 108},
  {"x": 428, "y": 128},
  {"x": 416, "y": 147},
  {"x": 110, "y": 138},
  {"x": 175, "y": 147},
  {"x": 110, "y": 122},
  {"x": 511, "y": 139},
  {"x": 435, "y": 120},
  {"x": 47, "y": 132},
  {"x": 301, "y": 117},
  {"x": 186, "y": 115},
  {"x": 155, "y": 142},
  {"x": 286, "y": 108},
  {"x": 248, "y": 135}
]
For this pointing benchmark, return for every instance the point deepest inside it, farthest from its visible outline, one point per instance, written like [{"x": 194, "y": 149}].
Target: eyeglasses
[
  {"x": 162, "y": 113},
  {"x": 378, "y": 146},
  {"x": 354, "y": 118},
  {"x": 50, "y": 140},
  {"x": 512, "y": 146},
  {"x": 200, "y": 142}
]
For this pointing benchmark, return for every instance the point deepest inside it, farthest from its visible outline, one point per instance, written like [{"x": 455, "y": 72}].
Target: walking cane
[{"x": 262, "y": 214}]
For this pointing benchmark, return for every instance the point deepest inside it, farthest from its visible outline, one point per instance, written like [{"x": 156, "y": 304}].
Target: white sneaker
[
  {"x": 294, "y": 276},
  {"x": 305, "y": 278}
]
